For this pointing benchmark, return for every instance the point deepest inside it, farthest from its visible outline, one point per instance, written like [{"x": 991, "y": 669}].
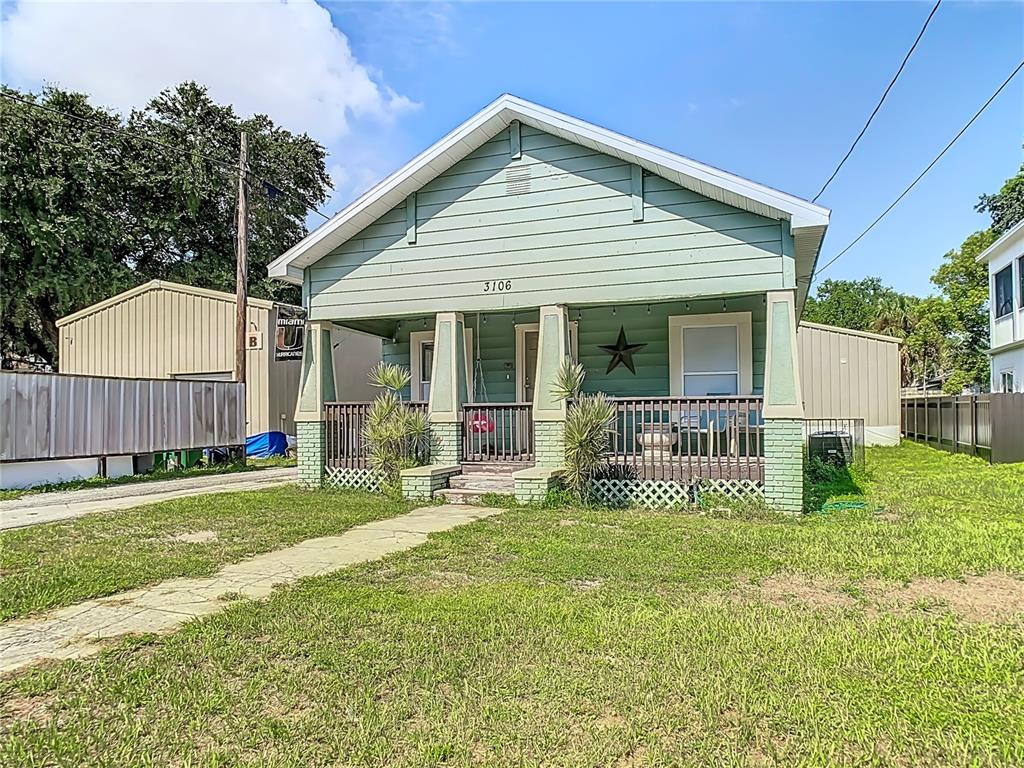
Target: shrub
[
  {"x": 396, "y": 435},
  {"x": 588, "y": 423}
]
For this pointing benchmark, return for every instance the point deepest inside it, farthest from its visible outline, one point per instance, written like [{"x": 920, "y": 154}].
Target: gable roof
[
  {"x": 807, "y": 220},
  {"x": 162, "y": 285},
  {"x": 849, "y": 332}
]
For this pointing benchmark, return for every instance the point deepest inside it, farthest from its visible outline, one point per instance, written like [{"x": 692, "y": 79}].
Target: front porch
[{"x": 689, "y": 398}]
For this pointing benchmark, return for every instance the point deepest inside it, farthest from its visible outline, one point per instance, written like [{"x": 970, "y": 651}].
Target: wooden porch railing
[
  {"x": 501, "y": 432},
  {"x": 684, "y": 438},
  {"x": 345, "y": 423}
]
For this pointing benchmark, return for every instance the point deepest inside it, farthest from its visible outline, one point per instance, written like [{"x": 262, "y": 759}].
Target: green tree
[
  {"x": 928, "y": 343},
  {"x": 63, "y": 240},
  {"x": 87, "y": 213},
  {"x": 847, "y": 303},
  {"x": 963, "y": 282},
  {"x": 1006, "y": 207}
]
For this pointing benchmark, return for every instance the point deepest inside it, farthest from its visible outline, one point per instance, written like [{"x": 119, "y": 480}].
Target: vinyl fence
[
  {"x": 990, "y": 425},
  {"x": 52, "y": 416}
]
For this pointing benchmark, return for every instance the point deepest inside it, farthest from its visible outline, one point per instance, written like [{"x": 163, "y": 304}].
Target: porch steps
[{"x": 469, "y": 487}]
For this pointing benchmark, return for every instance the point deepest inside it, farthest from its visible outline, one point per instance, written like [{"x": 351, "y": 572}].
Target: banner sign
[{"x": 291, "y": 333}]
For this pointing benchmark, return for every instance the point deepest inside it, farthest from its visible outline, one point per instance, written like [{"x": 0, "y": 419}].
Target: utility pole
[
  {"x": 242, "y": 278},
  {"x": 241, "y": 266}
]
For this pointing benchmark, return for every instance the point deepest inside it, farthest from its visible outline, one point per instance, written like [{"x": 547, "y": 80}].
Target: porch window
[
  {"x": 711, "y": 355},
  {"x": 1004, "y": 291},
  {"x": 711, "y": 361},
  {"x": 421, "y": 363},
  {"x": 426, "y": 371}
]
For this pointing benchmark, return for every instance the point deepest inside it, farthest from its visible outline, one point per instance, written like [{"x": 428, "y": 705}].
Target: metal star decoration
[{"x": 621, "y": 352}]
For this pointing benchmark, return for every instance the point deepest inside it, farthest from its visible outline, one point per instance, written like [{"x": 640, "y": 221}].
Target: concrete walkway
[
  {"x": 79, "y": 630},
  {"x": 64, "y": 505}
]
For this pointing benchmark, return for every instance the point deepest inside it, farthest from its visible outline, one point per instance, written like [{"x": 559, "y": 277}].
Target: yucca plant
[
  {"x": 589, "y": 421},
  {"x": 396, "y": 435}
]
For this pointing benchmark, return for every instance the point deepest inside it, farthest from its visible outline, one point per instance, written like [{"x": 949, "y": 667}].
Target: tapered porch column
[
  {"x": 316, "y": 387},
  {"x": 448, "y": 387},
  {"x": 548, "y": 410},
  {"x": 783, "y": 407}
]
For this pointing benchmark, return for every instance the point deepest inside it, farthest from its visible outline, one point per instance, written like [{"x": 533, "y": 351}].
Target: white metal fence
[{"x": 52, "y": 416}]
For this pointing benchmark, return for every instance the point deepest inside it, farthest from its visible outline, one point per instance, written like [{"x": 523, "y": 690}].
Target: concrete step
[
  {"x": 480, "y": 481},
  {"x": 462, "y": 495},
  {"x": 493, "y": 467}
]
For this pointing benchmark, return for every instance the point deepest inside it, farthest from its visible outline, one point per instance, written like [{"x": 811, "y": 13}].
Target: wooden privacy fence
[
  {"x": 990, "y": 426},
  {"x": 53, "y": 416}
]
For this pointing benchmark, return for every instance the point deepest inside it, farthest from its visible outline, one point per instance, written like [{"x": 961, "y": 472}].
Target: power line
[
  {"x": 121, "y": 130},
  {"x": 878, "y": 106},
  {"x": 922, "y": 174}
]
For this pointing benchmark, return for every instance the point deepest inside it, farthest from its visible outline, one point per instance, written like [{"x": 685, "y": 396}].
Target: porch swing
[{"x": 480, "y": 423}]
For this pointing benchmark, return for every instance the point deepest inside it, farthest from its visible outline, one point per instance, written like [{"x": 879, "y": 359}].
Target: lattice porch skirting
[
  {"x": 668, "y": 494},
  {"x": 351, "y": 477}
]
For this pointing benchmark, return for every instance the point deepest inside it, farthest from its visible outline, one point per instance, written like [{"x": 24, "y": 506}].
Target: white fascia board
[
  {"x": 1005, "y": 242},
  {"x": 486, "y": 124}
]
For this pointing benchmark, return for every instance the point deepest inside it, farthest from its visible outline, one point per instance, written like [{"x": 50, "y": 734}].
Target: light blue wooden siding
[
  {"x": 558, "y": 223},
  {"x": 495, "y": 376},
  {"x": 597, "y": 326}
]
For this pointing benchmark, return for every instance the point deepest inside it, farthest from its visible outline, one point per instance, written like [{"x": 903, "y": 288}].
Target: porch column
[
  {"x": 316, "y": 387},
  {"x": 448, "y": 388},
  {"x": 783, "y": 407},
  {"x": 548, "y": 410}
]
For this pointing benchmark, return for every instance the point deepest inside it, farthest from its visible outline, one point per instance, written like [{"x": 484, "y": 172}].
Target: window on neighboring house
[
  {"x": 1006, "y": 382},
  {"x": 1004, "y": 291},
  {"x": 1020, "y": 279}
]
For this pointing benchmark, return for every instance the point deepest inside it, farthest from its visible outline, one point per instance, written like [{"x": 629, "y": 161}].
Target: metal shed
[
  {"x": 166, "y": 330},
  {"x": 849, "y": 374}
]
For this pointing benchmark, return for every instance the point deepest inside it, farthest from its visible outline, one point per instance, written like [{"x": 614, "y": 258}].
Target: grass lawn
[
  {"x": 604, "y": 638},
  {"x": 57, "y": 564},
  {"x": 157, "y": 474}
]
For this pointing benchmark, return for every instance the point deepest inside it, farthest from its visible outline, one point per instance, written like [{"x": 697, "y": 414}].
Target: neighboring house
[
  {"x": 165, "y": 330},
  {"x": 525, "y": 236},
  {"x": 849, "y": 374},
  {"x": 1005, "y": 259}
]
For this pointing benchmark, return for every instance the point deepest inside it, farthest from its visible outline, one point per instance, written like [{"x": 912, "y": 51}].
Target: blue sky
[{"x": 774, "y": 92}]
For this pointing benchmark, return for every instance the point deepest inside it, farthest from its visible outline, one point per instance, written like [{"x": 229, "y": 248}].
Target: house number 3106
[{"x": 497, "y": 286}]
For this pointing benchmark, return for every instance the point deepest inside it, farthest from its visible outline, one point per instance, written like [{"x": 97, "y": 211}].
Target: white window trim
[
  {"x": 1013, "y": 377},
  {"x": 521, "y": 330},
  {"x": 416, "y": 340},
  {"x": 744, "y": 333}
]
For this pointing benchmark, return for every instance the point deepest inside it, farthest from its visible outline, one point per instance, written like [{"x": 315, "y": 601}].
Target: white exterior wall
[
  {"x": 1011, "y": 360},
  {"x": 1006, "y": 332}
]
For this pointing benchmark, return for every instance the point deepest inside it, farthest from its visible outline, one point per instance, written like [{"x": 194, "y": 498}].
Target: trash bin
[{"x": 832, "y": 447}]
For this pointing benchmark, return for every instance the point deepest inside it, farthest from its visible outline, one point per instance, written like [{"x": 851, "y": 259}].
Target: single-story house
[
  {"x": 164, "y": 330},
  {"x": 1005, "y": 259},
  {"x": 525, "y": 236}
]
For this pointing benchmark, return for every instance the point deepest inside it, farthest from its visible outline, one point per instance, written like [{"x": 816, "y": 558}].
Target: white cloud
[{"x": 283, "y": 58}]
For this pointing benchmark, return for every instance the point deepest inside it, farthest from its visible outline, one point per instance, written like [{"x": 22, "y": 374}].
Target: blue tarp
[{"x": 266, "y": 444}]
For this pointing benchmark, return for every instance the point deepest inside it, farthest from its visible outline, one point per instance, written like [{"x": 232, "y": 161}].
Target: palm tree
[{"x": 897, "y": 317}]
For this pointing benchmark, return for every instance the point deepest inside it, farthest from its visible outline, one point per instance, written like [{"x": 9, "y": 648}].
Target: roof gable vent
[{"x": 517, "y": 181}]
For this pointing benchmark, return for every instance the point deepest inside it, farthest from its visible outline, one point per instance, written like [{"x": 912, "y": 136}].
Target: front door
[{"x": 530, "y": 339}]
